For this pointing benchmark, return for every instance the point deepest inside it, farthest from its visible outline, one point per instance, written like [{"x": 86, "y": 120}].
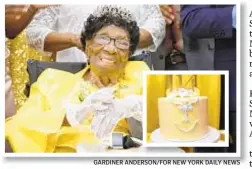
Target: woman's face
[{"x": 108, "y": 50}]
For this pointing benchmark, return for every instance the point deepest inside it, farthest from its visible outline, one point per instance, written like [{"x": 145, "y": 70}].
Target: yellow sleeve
[
  {"x": 28, "y": 130},
  {"x": 44, "y": 93},
  {"x": 37, "y": 101},
  {"x": 35, "y": 123}
]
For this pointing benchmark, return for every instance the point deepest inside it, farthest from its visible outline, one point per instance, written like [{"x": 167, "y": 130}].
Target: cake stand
[{"x": 212, "y": 136}]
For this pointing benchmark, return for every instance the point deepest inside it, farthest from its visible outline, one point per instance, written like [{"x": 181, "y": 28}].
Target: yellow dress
[
  {"x": 20, "y": 52},
  {"x": 39, "y": 126}
]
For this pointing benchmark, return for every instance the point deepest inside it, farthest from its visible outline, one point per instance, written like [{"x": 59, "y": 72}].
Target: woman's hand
[
  {"x": 145, "y": 39},
  {"x": 93, "y": 104},
  {"x": 102, "y": 96},
  {"x": 57, "y": 41},
  {"x": 19, "y": 10},
  {"x": 17, "y": 17},
  {"x": 76, "y": 41},
  {"x": 76, "y": 113},
  {"x": 131, "y": 106},
  {"x": 113, "y": 110},
  {"x": 105, "y": 115},
  {"x": 168, "y": 13},
  {"x": 41, "y": 6},
  {"x": 106, "y": 110}
]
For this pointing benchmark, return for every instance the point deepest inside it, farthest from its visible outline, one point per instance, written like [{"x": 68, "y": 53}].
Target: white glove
[
  {"x": 105, "y": 120},
  {"x": 105, "y": 114},
  {"x": 107, "y": 111},
  {"x": 132, "y": 106},
  {"x": 100, "y": 99},
  {"x": 76, "y": 113}
]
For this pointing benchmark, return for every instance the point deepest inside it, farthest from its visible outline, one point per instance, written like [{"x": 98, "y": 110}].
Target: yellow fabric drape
[
  {"x": 209, "y": 85},
  {"x": 20, "y": 52},
  {"x": 156, "y": 87},
  {"x": 38, "y": 125}
]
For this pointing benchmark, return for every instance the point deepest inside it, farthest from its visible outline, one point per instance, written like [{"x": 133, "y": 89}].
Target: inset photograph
[{"x": 184, "y": 109}]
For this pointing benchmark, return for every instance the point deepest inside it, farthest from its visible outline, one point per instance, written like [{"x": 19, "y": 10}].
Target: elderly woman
[{"x": 65, "y": 109}]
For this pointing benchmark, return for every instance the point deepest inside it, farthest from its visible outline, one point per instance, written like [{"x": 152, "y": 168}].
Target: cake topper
[{"x": 189, "y": 83}]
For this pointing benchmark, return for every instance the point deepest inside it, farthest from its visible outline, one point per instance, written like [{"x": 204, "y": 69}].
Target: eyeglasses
[{"x": 119, "y": 43}]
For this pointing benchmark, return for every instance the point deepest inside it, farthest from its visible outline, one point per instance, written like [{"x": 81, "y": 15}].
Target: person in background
[
  {"x": 57, "y": 30},
  {"x": 209, "y": 33},
  {"x": 17, "y": 17},
  {"x": 171, "y": 50}
]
